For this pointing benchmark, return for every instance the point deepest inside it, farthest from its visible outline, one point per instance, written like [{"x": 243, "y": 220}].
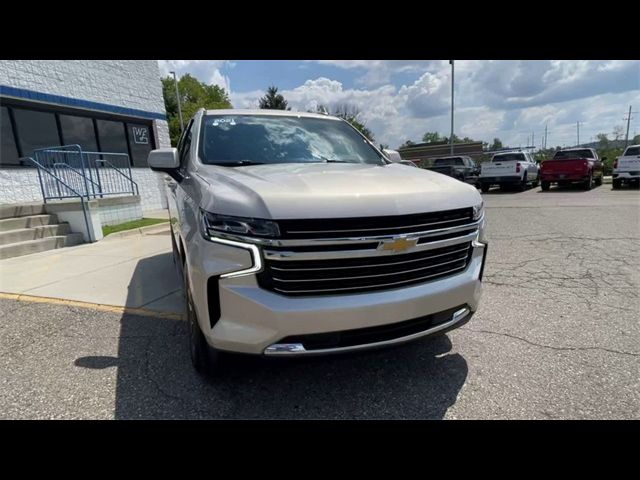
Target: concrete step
[
  {"x": 21, "y": 210},
  {"x": 40, "y": 245},
  {"x": 29, "y": 221},
  {"x": 24, "y": 234}
]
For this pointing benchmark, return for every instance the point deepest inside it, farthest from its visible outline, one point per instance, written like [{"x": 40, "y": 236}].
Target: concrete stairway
[{"x": 27, "y": 228}]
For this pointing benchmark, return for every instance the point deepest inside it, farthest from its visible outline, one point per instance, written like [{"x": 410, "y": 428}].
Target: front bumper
[
  {"x": 251, "y": 319},
  {"x": 506, "y": 180}
]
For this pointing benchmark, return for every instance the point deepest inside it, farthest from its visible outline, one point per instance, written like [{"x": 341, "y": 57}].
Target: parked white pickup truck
[
  {"x": 509, "y": 169},
  {"x": 626, "y": 169}
]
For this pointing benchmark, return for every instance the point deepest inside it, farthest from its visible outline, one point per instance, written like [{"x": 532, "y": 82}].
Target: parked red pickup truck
[{"x": 572, "y": 165}]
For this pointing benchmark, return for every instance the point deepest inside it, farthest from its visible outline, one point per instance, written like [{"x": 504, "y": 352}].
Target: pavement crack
[
  {"x": 160, "y": 297},
  {"x": 551, "y": 347}
]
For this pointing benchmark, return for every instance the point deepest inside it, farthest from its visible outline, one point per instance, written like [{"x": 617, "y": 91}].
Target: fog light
[{"x": 277, "y": 348}]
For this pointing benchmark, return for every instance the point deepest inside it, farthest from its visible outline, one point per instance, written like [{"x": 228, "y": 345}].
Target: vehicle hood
[{"x": 287, "y": 191}]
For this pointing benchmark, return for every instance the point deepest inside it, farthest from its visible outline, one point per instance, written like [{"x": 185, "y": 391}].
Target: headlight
[
  {"x": 213, "y": 223},
  {"x": 478, "y": 210}
]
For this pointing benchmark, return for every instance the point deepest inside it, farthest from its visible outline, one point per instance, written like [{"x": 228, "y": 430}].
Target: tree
[
  {"x": 603, "y": 140},
  {"x": 431, "y": 137},
  {"x": 274, "y": 100},
  {"x": 407, "y": 143},
  {"x": 351, "y": 114},
  {"x": 456, "y": 139},
  {"x": 193, "y": 96},
  {"x": 636, "y": 140},
  {"x": 496, "y": 145},
  {"x": 618, "y": 132}
]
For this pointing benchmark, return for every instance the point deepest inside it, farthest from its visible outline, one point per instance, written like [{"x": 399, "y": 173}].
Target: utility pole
[
  {"x": 578, "y": 125},
  {"x": 175, "y": 80},
  {"x": 451, "y": 137},
  {"x": 628, "y": 119},
  {"x": 545, "y": 137},
  {"x": 533, "y": 140}
]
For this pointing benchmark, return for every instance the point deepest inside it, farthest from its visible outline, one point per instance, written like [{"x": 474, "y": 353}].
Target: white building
[{"x": 102, "y": 105}]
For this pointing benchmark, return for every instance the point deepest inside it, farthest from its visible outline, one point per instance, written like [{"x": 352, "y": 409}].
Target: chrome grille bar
[
  {"x": 319, "y": 255},
  {"x": 370, "y": 276},
  {"x": 340, "y": 289},
  {"x": 288, "y": 269}
]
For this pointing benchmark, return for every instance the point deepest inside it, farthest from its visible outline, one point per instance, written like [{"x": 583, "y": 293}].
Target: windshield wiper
[
  {"x": 334, "y": 160},
  {"x": 238, "y": 163}
]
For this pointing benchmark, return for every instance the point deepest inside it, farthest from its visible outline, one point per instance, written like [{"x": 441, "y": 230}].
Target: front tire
[
  {"x": 545, "y": 186},
  {"x": 484, "y": 187},
  {"x": 616, "y": 184},
  {"x": 204, "y": 358}
]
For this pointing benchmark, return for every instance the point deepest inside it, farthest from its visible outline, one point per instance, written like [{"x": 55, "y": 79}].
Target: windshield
[
  {"x": 509, "y": 157},
  {"x": 573, "y": 154},
  {"x": 632, "y": 151},
  {"x": 441, "y": 162},
  {"x": 257, "y": 139}
]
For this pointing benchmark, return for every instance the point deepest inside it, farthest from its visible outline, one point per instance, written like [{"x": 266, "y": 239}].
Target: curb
[
  {"x": 94, "y": 306},
  {"x": 148, "y": 230}
]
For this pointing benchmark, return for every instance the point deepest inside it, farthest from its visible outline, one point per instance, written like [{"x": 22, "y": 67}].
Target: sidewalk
[{"x": 135, "y": 271}]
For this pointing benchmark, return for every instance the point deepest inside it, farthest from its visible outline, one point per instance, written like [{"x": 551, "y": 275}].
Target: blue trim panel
[{"x": 74, "y": 102}]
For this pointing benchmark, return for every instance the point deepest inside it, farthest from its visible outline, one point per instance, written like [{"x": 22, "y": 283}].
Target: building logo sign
[{"x": 141, "y": 135}]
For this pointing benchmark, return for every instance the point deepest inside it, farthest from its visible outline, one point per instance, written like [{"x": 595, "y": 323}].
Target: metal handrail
[
  {"x": 77, "y": 172},
  {"x": 94, "y": 169},
  {"x": 130, "y": 178},
  {"x": 78, "y": 194}
]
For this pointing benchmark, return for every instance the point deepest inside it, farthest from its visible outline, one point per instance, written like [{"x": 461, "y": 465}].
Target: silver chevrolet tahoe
[{"x": 295, "y": 236}]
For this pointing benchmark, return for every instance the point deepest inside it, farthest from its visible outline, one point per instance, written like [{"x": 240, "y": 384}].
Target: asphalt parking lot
[{"x": 557, "y": 337}]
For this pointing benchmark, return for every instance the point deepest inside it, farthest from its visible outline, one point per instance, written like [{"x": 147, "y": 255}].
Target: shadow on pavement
[{"x": 155, "y": 379}]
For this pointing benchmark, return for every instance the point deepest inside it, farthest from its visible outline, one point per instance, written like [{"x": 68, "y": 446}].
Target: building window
[
  {"x": 140, "y": 143},
  {"x": 9, "y": 153},
  {"x": 79, "y": 130},
  {"x": 112, "y": 136},
  {"x": 35, "y": 130},
  {"x": 49, "y": 126}
]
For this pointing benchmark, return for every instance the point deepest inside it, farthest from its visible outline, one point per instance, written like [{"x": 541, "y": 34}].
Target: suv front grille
[
  {"x": 343, "y": 259},
  {"x": 373, "y": 226}
]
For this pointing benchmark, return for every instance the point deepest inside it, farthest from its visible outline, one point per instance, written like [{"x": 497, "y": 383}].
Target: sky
[{"x": 402, "y": 99}]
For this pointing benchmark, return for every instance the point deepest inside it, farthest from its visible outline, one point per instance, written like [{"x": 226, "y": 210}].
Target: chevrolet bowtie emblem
[{"x": 398, "y": 244}]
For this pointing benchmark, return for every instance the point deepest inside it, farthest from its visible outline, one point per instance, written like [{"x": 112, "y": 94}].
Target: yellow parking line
[{"x": 95, "y": 306}]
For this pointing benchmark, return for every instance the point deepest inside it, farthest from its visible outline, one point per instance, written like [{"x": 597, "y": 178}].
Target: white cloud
[
  {"x": 505, "y": 99},
  {"x": 208, "y": 71}
]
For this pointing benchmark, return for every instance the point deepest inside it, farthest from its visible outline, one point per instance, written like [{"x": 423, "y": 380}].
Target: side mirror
[{"x": 164, "y": 159}]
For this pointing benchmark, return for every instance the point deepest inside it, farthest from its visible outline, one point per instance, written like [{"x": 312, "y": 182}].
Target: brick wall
[
  {"x": 125, "y": 83},
  {"x": 20, "y": 185}
]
